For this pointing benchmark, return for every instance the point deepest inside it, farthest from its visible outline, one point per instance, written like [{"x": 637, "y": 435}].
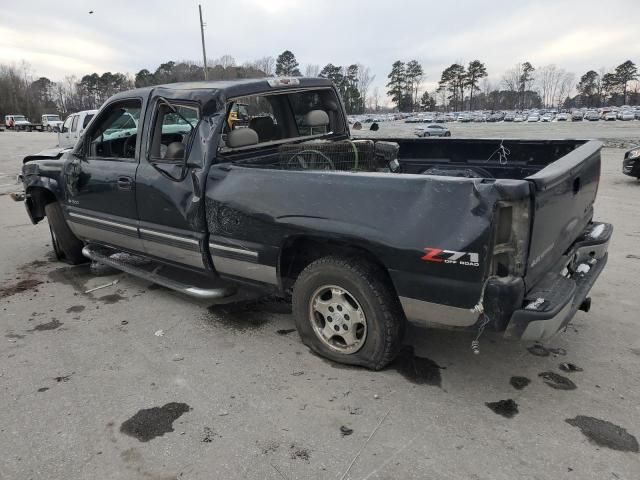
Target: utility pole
[{"x": 204, "y": 51}]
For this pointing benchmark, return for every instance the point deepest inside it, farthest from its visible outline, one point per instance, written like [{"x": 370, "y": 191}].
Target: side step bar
[{"x": 102, "y": 255}]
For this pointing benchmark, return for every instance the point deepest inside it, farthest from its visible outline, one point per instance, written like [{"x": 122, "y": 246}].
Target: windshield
[
  {"x": 53, "y": 118},
  {"x": 19, "y": 118}
]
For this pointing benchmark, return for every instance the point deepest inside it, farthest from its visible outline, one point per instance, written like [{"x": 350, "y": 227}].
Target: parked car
[
  {"x": 509, "y": 117},
  {"x": 366, "y": 234},
  {"x": 519, "y": 118},
  {"x": 562, "y": 117},
  {"x": 626, "y": 115},
  {"x": 433, "y": 131},
  {"x": 534, "y": 117},
  {"x": 73, "y": 127},
  {"x": 631, "y": 163},
  {"x": 51, "y": 122},
  {"x": 592, "y": 116},
  {"x": 547, "y": 117},
  {"x": 577, "y": 116},
  {"x": 610, "y": 116}
]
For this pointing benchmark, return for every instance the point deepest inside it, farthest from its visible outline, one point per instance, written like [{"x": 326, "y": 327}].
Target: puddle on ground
[
  {"x": 605, "y": 434},
  {"x": 507, "y": 408},
  {"x": 285, "y": 331},
  {"x": 52, "y": 325},
  {"x": 111, "y": 298},
  {"x": 14, "y": 336},
  {"x": 557, "y": 381},
  {"x": 75, "y": 309},
  {"x": 249, "y": 314},
  {"x": 43, "y": 389},
  {"x": 150, "y": 423},
  {"x": 541, "y": 351},
  {"x": 299, "y": 453},
  {"x": 418, "y": 370},
  {"x": 519, "y": 382},
  {"x": 76, "y": 276},
  {"x": 18, "y": 287}
]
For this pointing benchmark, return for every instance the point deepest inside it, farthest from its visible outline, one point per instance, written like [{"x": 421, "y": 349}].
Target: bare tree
[
  {"x": 266, "y": 65},
  {"x": 364, "y": 82},
  {"x": 312, "y": 70}
]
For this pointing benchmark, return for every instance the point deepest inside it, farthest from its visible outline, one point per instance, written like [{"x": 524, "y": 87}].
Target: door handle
[{"x": 124, "y": 183}]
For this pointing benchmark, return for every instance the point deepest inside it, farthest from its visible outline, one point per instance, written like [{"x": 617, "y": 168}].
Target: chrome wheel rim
[{"x": 337, "y": 319}]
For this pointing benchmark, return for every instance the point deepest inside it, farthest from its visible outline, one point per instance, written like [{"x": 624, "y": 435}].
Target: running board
[{"x": 103, "y": 255}]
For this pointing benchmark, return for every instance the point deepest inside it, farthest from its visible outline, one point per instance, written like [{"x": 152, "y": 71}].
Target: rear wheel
[
  {"x": 447, "y": 134},
  {"x": 49, "y": 128},
  {"x": 346, "y": 310},
  {"x": 66, "y": 245}
]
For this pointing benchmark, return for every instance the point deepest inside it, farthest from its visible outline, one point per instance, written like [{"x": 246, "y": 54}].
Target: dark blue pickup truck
[{"x": 259, "y": 182}]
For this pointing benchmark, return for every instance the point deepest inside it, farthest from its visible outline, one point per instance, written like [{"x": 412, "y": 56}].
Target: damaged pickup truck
[{"x": 364, "y": 234}]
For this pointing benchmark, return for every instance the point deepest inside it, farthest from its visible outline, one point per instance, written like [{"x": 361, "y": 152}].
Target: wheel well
[
  {"x": 299, "y": 252},
  {"x": 37, "y": 199}
]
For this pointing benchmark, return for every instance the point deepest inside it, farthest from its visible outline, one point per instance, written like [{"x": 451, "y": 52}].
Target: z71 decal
[{"x": 438, "y": 255}]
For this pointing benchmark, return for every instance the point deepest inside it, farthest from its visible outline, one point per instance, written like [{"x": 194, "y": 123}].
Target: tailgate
[{"x": 563, "y": 196}]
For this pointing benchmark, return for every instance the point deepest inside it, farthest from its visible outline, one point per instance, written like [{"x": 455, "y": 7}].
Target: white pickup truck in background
[
  {"x": 73, "y": 128},
  {"x": 51, "y": 122}
]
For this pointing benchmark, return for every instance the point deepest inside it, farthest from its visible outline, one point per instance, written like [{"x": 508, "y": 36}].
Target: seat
[
  {"x": 265, "y": 127},
  {"x": 175, "y": 151},
  {"x": 317, "y": 121},
  {"x": 242, "y": 137}
]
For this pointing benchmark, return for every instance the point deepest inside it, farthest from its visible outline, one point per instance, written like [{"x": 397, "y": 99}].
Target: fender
[{"x": 42, "y": 185}]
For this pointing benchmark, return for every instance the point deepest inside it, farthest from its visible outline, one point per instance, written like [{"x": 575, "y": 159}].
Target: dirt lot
[{"x": 91, "y": 389}]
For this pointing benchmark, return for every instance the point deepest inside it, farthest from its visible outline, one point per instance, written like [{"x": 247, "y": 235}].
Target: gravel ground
[{"x": 91, "y": 389}]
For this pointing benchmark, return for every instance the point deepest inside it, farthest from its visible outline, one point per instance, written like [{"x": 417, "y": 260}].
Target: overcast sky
[{"x": 58, "y": 38}]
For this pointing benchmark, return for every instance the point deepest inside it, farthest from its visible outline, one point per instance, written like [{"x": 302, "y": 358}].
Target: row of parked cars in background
[{"x": 625, "y": 113}]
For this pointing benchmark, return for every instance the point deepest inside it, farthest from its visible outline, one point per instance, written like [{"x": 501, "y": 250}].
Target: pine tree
[
  {"x": 475, "y": 71},
  {"x": 397, "y": 84},
  {"x": 287, "y": 65}
]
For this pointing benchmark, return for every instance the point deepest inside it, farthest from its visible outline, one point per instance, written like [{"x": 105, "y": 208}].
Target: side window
[
  {"x": 172, "y": 132},
  {"x": 67, "y": 124},
  {"x": 114, "y": 134},
  {"x": 74, "y": 125},
  {"x": 87, "y": 119}
]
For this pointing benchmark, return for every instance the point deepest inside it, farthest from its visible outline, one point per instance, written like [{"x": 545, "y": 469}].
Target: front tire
[
  {"x": 346, "y": 310},
  {"x": 66, "y": 245}
]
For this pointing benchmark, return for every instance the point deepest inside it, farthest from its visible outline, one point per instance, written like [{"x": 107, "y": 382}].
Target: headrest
[
  {"x": 241, "y": 137},
  {"x": 175, "y": 151},
  {"x": 316, "y": 118}
]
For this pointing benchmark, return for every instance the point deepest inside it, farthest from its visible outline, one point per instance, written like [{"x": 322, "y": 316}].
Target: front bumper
[
  {"x": 631, "y": 167},
  {"x": 551, "y": 304}
]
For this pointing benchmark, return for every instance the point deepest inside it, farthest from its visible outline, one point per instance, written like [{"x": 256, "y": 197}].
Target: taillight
[{"x": 511, "y": 236}]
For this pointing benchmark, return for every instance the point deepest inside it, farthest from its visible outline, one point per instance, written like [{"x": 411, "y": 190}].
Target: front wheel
[
  {"x": 447, "y": 134},
  {"x": 346, "y": 310},
  {"x": 66, "y": 245}
]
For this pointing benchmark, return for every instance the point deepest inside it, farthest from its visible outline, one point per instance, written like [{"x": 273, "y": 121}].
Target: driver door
[{"x": 100, "y": 192}]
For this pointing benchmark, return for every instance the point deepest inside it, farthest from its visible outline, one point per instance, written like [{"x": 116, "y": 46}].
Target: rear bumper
[{"x": 551, "y": 304}]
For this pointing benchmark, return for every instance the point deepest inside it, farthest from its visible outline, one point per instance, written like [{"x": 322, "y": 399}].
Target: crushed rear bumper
[{"x": 551, "y": 304}]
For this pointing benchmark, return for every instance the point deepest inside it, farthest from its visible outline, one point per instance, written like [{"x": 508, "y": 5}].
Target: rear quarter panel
[{"x": 395, "y": 217}]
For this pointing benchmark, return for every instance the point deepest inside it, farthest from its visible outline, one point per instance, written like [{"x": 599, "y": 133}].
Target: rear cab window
[{"x": 279, "y": 117}]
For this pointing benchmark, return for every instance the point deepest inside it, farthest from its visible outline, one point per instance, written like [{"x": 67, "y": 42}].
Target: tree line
[
  {"x": 466, "y": 87},
  {"x": 460, "y": 87}
]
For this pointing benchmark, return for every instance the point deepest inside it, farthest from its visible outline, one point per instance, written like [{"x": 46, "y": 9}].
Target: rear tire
[
  {"x": 447, "y": 134},
  {"x": 362, "y": 290},
  {"x": 66, "y": 245}
]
